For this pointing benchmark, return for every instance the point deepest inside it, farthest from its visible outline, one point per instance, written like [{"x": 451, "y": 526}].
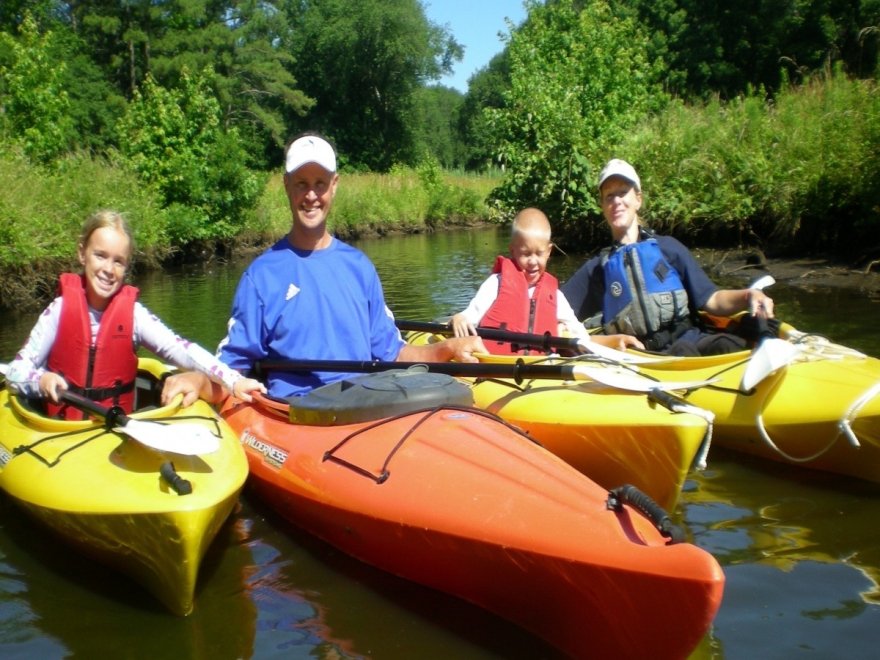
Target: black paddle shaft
[
  {"x": 518, "y": 371},
  {"x": 545, "y": 342},
  {"x": 113, "y": 416}
]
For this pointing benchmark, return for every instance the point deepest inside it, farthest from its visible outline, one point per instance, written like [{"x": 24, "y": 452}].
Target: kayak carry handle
[
  {"x": 641, "y": 502},
  {"x": 178, "y": 483}
]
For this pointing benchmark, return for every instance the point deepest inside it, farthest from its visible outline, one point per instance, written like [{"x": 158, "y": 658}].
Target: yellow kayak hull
[
  {"x": 821, "y": 411},
  {"x": 102, "y": 492},
  {"x": 613, "y": 436}
]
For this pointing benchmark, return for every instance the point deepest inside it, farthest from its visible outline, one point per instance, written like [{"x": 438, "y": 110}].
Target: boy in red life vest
[
  {"x": 86, "y": 339},
  {"x": 521, "y": 296}
]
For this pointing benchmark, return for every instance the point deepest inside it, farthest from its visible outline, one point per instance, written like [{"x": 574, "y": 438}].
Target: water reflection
[
  {"x": 54, "y": 602},
  {"x": 801, "y": 553}
]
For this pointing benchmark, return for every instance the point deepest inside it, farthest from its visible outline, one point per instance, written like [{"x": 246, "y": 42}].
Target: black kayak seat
[{"x": 368, "y": 397}]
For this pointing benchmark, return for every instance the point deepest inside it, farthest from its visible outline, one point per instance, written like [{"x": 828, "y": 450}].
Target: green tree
[
  {"x": 436, "y": 133},
  {"x": 580, "y": 77},
  {"x": 174, "y": 139},
  {"x": 257, "y": 89},
  {"x": 33, "y": 102},
  {"x": 487, "y": 88},
  {"x": 363, "y": 63},
  {"x": 242, "y": 40},
  {"x": 726, "y": 48}
]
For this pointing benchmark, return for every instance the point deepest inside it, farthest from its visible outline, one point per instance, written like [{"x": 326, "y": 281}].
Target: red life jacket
[
  {"x": 514, "y": 311},
  {"x": 104, "y": 372}
]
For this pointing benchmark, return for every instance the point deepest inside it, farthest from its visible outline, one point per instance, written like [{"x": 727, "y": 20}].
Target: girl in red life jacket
[
  {"x": 520, "y": 296},
  {"x": 87, "y": 338}
]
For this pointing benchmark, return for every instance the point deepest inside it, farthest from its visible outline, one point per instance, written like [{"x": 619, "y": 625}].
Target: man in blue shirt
[{"x": 312, "y": 296}]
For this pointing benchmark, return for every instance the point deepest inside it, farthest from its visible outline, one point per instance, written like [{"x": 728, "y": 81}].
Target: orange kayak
[
  {"x": 455, "y": 499},
  {"x": 612, "y": 435}
]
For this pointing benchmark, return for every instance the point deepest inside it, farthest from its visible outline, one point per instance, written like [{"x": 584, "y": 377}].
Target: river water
[{"x": 800, "y": 550}]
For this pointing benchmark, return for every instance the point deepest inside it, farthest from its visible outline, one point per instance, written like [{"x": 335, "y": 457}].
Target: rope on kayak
[
  {"x": 679, "y": 405},
  {"x": 843, "y": 427},
  {"x": 383, "y": 475},
  {"x": 845, "y": 424},
  {"x": 99, "y": 431},
  {"x": 29, "y": 449},
  {"x": 641, "y": 502}
]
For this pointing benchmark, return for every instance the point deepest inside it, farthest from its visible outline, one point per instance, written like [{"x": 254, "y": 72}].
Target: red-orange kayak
[{"x": 455, "y": 499}]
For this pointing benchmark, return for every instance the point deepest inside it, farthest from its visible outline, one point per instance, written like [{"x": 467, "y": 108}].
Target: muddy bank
[{"x": 743, "y": 267}]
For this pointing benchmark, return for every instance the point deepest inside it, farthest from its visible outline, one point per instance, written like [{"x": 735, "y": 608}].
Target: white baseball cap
[
  {"x": 310, "y": 149},
  {"x": 617, "y": 167}
]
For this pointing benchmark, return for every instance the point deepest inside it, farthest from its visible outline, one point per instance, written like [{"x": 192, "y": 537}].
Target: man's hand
[{"x": 463, "y": 348}]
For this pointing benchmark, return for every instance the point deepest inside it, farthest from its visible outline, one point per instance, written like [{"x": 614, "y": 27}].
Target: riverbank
[
  {"x": 33, "y": 287},
  {"x": 744, "y": 266}
]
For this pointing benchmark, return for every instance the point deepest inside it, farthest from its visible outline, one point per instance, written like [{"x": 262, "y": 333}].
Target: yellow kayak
[
  {"x": 820, "y": 410},
  {"x": 614, "y": 436},
  {"x": 149, "y": 513}
]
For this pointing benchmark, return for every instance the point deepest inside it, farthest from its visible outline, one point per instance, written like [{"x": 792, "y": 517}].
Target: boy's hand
[{"x": 461, "y": 327}]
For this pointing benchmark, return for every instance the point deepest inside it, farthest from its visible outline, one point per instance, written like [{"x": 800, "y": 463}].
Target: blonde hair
[
  {"x": 530, "y": 222},
  {"x": 106, "y": 218}
]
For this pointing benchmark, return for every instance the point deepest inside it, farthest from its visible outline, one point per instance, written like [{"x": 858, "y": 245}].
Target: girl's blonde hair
[{"x": 106, "y": 218}]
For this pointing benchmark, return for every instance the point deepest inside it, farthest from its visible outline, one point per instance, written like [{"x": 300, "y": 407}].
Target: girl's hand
[
  {"x": 51, "y": 386},
  {"x": 244, "y": 386}
]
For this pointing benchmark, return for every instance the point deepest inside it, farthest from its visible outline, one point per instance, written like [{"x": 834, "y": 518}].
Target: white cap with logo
[
  {"x": 310, "y": 149},
  {"x": 618, "y": 167}
]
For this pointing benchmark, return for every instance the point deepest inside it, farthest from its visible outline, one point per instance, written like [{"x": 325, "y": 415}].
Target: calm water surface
[{"x": 800, "y": 550}]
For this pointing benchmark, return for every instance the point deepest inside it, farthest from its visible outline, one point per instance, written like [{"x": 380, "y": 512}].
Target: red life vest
[
  {"x": 514, "y": 311},
  {"x": 104, "y": 372}
]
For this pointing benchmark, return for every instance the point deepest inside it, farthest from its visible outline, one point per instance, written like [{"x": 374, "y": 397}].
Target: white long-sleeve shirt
[
  {"x": 23, "y": 374},
  {"x": 488, "y": 292}
]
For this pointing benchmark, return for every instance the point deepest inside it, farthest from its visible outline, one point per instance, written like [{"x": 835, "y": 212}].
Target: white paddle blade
[
  {"x": 186, "y": 439},
  {"x": 627, "y": 380},
  {"x": 622, "y": 356},
  {"x": 770, "y": 356},
  {"x": 763, "y": 282}
]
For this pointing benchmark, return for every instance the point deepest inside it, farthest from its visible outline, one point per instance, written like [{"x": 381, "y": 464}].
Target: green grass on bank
[
  {"x": 404, "y": 200},
  {"x": 42, "y": 211},
  {"x": 798, "y": 174}
]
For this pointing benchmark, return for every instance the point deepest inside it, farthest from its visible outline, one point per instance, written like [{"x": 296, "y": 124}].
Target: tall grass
[
  {"x": 798, "y": 173},
  {"x": 42, "y": 212}
]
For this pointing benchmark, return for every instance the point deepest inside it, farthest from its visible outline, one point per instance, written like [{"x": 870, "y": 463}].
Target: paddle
[
  {"x": 771, "y": 352},
  {"x": 545, "y": 342},
  {"x": 770, "y": 355},
  {"x": 187, "y": 439},
  {"x": 607, "y": 375}
]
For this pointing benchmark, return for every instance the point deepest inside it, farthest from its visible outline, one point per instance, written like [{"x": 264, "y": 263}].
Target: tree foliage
[
  {"x": 727, "y": 48},
  {"x": 35, "y": 105},
  {"x": 174, "y": 139},
  {"x": 579, "y": 78},
  {"x": 363, "y": 63},
  {"x": 486, "y": 89},
  {"x": 436, "y": 125}
]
